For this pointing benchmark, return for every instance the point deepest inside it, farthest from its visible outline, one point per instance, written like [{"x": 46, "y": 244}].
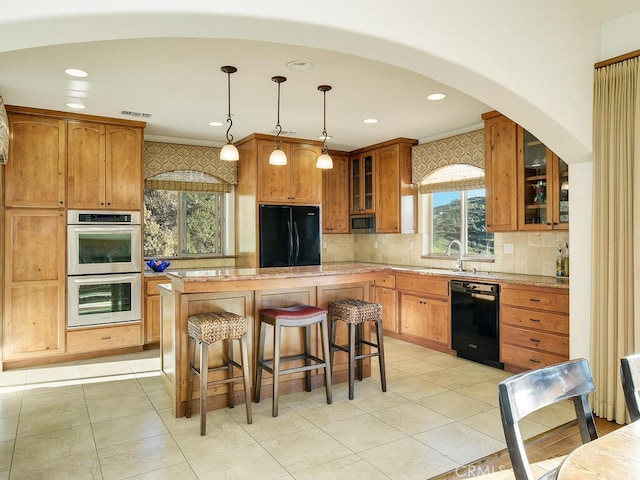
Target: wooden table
[{"x": 615, "y": 456}]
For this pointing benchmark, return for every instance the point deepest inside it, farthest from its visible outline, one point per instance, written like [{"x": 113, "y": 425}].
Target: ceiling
[{"x": 178, "y": 82}]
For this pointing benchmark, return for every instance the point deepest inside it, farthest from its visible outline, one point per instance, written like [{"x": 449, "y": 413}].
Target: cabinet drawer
[
  {"x": 527, "y": 358},
  {"x": 104, "y": 338},
  {"x": 389, "y": 282},
  {"x": 519, "y": 317},
  {"x": 550, "y": 300},
  {"x": 423, "y": 284},
  {"x": 547, "y": 342},
  {"x": 151, "y": 285}
]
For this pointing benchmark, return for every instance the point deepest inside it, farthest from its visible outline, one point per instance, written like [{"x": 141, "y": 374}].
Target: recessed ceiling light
[
  {"x": 299, "y": 65},
  {"x": 215, "y": 124},
  {"x": 75, "y": 106},
  {"x": 76, "y": 72},
  {"x": 437, "y": 96},
  {"x": 370, "y": 120}
]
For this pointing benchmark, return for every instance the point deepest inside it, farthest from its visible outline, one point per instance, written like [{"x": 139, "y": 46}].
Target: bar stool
[
  {"x": 297, "y": 316},
  {"x": 205, "y": 329},
  {"x": 355, "y": 313}
]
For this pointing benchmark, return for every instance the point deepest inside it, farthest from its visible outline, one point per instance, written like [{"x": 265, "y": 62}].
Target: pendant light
[
  {"x": 229, "y": 152},
  {"x": 324, "y": 161},
  {"x": 278, "y": 157}
]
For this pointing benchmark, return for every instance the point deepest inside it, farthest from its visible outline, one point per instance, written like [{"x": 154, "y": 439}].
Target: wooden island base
[{"x": 245, "y": 292}]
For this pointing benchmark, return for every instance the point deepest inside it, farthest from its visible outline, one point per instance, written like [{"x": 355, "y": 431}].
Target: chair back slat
[{"x": 630, "y": 376}]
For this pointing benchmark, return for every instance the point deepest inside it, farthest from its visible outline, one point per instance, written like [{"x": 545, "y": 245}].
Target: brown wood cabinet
[
  {"x": 335, "y": 195},
  {"x": 500, "y": 170},
  {"x": 384, "y": 293},
  {"x": 424, "y": 309},
  {"x": 34, "y": 307},
  {"x": 104, "y": 166},
  {"x": 104, "y": 338},
  {"x": 152, "y": 308},
  {"x": 380, "y": 179},
  {"x": 534, "y": 326},
  {"x": 299, "y": 181},
  {"x": 35, "y": 174}
]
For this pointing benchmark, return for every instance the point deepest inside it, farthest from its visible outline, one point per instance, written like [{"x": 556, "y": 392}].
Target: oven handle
[
  {"x": 111, "y": 278},
  {"x": 109, "y": 229}
]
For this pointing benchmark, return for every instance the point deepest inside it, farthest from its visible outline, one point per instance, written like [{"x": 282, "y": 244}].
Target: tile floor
[{"x": 110, "y": 418}]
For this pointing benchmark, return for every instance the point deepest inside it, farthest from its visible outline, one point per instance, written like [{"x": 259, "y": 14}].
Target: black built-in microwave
[{"x": 363, "y": 224}]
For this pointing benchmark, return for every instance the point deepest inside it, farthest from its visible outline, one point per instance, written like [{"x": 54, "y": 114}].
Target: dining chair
[
  {"x": 533, "y": 390},
  {"x": 630, "y": 376}
]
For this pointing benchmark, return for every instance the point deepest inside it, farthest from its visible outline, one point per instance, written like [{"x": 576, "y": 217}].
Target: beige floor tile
[
  {"x": 303, "y": 449},
  {"x": 105, "y": 388},
  {"x": 160, "y": 399},
  {"x": 250, "y": 461},
  {"x": 125, "y": 429},
  {"x": 411, "y": 418},
  {"x": 482, "y": 372},
  {"x": 10, "y": 406},
  {"x": 488, "y": 422},
  {"x": 8, "y": 428},
  {"x": 363, "y": 432},
  {"x": 414, "y": 388},
  {"x": 104, "y": 369},
  {"x": 139, "y": 456},
  {"x": 53, "y": 374},
  {"x": 449, "y": 378},
  {"x": 394, "y": 373},
  {"x": 447, "y": 361},
  {"x": 351, "y": 467},
  {"x": 13, "y": 378},
  {"x": 460, "y": 443},
  {"x": 265, "y": 426},
  {"x": 486, "y": 392},
  {"x": 369, "y": 397},
  {"x": 455, "y": 405},
  {"x": 63, "y": 400},
  {"x": 116, "y": 407},
  {"x": 413, "y": 367},
  {"x": 322, "y": 414},
  {"x": 49, "y": 446},
  {"x": 33, "y": 424},
  {"x": 408, "y": 459},
  {"x": 150, "y": 381},
  {"x": 77, "y": 466},
  {"x": 181, "y": 471},
  {"x": 223, "y": 433},
  {"x": 6, "y": 453}
]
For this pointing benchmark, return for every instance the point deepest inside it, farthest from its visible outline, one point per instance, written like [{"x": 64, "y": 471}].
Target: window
[
  {"x": 178, "y": 223},
  {"x": 460, "y": 215},
  {"x": 453, "y": 202}
]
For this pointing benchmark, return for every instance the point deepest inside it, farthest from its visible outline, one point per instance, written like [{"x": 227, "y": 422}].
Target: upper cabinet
[
  {"x": 35, "y": 174},
  {"x": 500, "y": 172},
  {"x": 299, "y": 181},
  {"x": 381, "y": 184},
  {"x": 335, "y": 195},
  {"x": 527, "y": 185},
  {"x": 543, "y": 181},
  {"x": 105, "y": 166}
]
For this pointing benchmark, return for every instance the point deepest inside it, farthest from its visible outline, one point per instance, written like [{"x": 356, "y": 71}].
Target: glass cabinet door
[
  {"x": 536, "y": 181},
  {"x": 368, "y": 182},
  {"x": 355, "y": 185},
  {"x": 562, "y": 217},
  {"x": 362, "y": 184}
]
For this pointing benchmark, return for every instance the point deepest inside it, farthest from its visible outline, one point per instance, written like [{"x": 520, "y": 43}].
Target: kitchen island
[{"x": 245, "y": 291}]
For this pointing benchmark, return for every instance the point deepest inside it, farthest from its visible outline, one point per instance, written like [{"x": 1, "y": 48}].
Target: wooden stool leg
[
  {"x": 307, "y": 354},
  {"x": 229, "y": 360},
  {"x": 327, "y": 360},
  {"x": 204, "y": 368},
  {"x": 352, "y": 349},
  {"x": 276, "y": 368},
  {"x": 191, "y": 347},
  {"x": 258, "y": 384},
  {"x": 332, "y": 341},
  {"x": 359, "y": 337},
  {"x": 383, "y": 375},
  {"x": 244, "y": 352}
]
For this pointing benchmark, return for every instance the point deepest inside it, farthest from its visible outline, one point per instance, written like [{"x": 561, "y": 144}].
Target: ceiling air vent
[{"x": 135, "y": 114}]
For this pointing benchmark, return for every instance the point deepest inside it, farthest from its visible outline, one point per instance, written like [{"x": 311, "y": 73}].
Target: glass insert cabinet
[
  {"x": 543, "y": 185},
  {"x": 362, "y": 199}
]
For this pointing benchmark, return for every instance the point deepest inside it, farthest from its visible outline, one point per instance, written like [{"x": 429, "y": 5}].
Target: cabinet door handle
[
  {"x": 535, "y": 340},
  {"x": 533, "y": 360},
  {"x": 105, "y": 338},
  {"x": 536, "y": 320},
  {"x": 534, "y": 300}
]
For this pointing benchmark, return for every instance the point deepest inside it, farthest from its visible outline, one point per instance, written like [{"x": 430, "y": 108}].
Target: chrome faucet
[{"x": 459, "y": 262}]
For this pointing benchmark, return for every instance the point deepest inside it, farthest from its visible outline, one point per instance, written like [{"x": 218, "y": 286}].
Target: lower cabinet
[
  {"x": 424, "y": 311},
  {"x": 104, "y": 338},
  {"x": 534, "y": 326},
  {"x": 384, "y": 293},
  {"x": 152, "y": 308}
]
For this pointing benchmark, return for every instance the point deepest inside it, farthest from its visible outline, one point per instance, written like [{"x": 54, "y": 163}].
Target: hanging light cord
[
  {"x": 278, "y": 80},
  {"x": 229, "y": 120},
  {"x": 324, "y": 123}
]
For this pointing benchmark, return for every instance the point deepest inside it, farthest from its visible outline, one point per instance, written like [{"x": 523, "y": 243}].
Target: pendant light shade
[
  {"x": 324, "y": 161},
  {"x": 278, "y": 157},
  {"x": 229, "y": 152}
]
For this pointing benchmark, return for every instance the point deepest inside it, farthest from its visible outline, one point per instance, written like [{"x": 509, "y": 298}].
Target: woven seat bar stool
[
  {"x": 355, "y": 313},
  {"x": 301, "y": 316},
  {"x": 205, "y": 329}
]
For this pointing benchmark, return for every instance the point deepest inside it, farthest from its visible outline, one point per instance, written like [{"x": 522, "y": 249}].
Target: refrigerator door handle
[
  {"x": 290, "y": 243},
  {"x": 297, "y": 244}
]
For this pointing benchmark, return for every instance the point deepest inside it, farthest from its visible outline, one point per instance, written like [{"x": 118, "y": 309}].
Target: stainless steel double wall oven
[{"x": 104, "y": 264}]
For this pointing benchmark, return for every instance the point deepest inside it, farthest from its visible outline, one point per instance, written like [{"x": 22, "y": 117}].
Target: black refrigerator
[{"x": 289, "y": 235}]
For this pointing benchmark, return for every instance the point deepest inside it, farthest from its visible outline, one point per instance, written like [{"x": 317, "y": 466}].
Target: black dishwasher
[{"x": 475, "y": 322}]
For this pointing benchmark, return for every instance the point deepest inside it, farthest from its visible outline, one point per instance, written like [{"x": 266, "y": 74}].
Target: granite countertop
[{"x": 337, "y": 268}]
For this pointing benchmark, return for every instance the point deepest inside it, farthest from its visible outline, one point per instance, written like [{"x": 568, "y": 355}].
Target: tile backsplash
[{"x": 533, "y": 253}]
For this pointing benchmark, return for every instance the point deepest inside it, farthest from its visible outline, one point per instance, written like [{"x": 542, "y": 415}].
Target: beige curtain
[{"x": 615, "y": 315}]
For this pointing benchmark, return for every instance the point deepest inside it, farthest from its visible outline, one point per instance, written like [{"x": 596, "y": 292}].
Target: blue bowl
[{"x": 158, "y": 265}]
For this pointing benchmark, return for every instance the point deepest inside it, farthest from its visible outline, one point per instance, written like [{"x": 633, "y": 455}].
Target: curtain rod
[{"x": 618, "y": 59}]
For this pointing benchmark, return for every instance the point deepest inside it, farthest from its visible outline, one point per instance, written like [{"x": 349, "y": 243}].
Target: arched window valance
[{"x": 187, "y": 181}]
